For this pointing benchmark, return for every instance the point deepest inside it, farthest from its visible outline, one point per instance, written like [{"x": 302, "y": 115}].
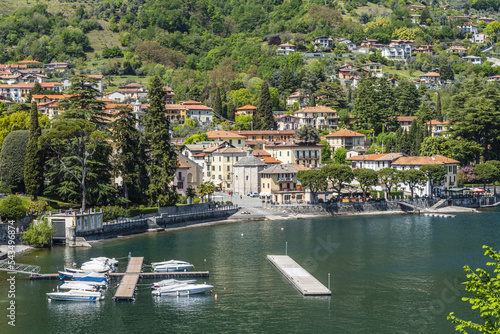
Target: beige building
[
  {"x": 194, "y": 172},
  {"x": 296, "y": 152},
  {"x": 347, "y": 139},
  {"x": 246, "y": 174},
  {"x": 319, "y": 117},
  {"x": 437, "y": 128},
  {"x": 219, "y": 165},
  {"x": 279, "y": 184}
]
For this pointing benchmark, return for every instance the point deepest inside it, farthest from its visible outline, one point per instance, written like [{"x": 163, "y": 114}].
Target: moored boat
[
  {"x": 74, "y": 270},
  {"x": 182, "y": 289},
  {"x": 89, "y": 277},
  {"x": 168, "y": 282},
  {"x": 171, "y": 266},
  {"x": 76, "y": 295},
  {"x": 71, "y": 285}
]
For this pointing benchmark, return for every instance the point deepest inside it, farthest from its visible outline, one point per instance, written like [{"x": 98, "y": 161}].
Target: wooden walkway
[
  {"x": 129, "y": 281},
  {"x": 298, "y": 276},
  {"x": 176, "y": 275}
]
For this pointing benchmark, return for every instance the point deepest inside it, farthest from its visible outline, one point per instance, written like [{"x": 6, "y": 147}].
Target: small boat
[
  {"x": 95, "y": 266},
  {"x": 74, "y": 270},
  {"x": 89, "y": 277},
  {"x": 70, "y": 285},
  {"x": 170, "y": 266},
  {"x": 182, "y": 289},
  {"x": 76, "y": 295},
  {"x": 168, "y": 282},
  {"x": 106, "y": 260}
]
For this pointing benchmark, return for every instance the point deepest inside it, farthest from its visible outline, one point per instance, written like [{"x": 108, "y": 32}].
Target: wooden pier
[
  {"x": 127, "y": 286},
  {"x": 300, "y": 278},
  {"x": 152, "y": 275}
]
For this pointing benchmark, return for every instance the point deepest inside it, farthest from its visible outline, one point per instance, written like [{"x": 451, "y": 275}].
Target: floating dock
[
  {"x": 127, "y": 286},
  {"x": 176, "y": 275},
  {"x": 300, "y": 278},
  {"x": 442, "y": 215}
]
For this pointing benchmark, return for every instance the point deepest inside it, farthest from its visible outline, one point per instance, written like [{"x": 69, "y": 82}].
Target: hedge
[{"x": 12, "y": 160}]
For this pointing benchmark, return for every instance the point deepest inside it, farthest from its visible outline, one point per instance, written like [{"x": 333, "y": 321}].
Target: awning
[
  {"x": 217, "y": 182},
  {"x": 264, "y": 194}
]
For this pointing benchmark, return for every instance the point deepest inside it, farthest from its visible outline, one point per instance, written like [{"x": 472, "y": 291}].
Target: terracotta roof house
[{"x": 246, "y": 110}]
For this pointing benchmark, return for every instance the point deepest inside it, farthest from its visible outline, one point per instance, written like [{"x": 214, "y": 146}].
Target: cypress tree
[
  {"x": 163, "y": 159},
  {"x": 33, "y": 163},
  {"x": 439, "y": 115},
  {"x": 218, "y": 104},
  {"x": 265, "y": 108}
]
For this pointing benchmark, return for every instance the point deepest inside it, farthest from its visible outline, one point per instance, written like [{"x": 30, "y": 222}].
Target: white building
[
  {"x": 196, "y": 110},
  {"x": 468, "y": 27},
  {"x": 318, "y": 116},
  {"x": 286, "y": 49},
  {"x": 323, "y": 42},
  {"x": 474, "y": 60},
  {"x": 350, "y": 44},
  {"x": 69, "y": 223}
]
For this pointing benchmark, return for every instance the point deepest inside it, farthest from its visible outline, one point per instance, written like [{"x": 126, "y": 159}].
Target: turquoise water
[{"x": 389, "y": 274}]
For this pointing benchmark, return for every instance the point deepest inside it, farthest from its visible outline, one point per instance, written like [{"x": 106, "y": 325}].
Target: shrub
[
  {"x": 12, "y": 208},
  {"x": 38, "y": 207},
  {"x": 39, "y": 234},
  {"x": 113, "y": 212},
  {"x": 12, "y": 160}
]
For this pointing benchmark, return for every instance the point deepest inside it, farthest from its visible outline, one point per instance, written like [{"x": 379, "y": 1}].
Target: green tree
[
  {"x": 374, "y": 103},
  {"x": 39, "y": 234},
  {"x": 36, "y": 90},
  {"x": 407, "y": 101},
  {"x": 163, "y": 160},
  {"x": 486, "y": 299},
  {"x": 265, "y": 108},
  {"x": 218, "y": 104},
  {"x": 314, "y": 179},
  {"x": 130, "y": 157},
  {"x": 326, "y": 152},
  {"x": 496, "y": 179},
  {"x": 75, "y": 143},
  {"x": 33, "y": 163},
  {"x": 338, "y": 175},
  {"x": 12, "y": 160},
  {"x": 389, "y": 177},
  {"x": 435, "y": 174},
  {"x": 308, "y": 133},
  {"x": 413, "y": 178},
  {"x": 486, "y": 173},
  {"x": 191, "y": 193},
  {"x": 12, "y": 208},
  {"x": 340, "y": 155},
  {"x": 332, "y": 95},
  {"x": 439, "y": 112},
  {"x": 367, "y": 178},
  {"x": 83, "y": 101},
  {"x": 426, "y": 15}
]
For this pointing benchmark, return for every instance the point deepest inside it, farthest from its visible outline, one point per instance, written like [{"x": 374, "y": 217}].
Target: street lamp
[{"x": 158, "y": 201}]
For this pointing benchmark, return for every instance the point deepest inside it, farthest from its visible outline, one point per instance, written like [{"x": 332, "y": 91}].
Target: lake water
[{"x": 389, "y": 274}]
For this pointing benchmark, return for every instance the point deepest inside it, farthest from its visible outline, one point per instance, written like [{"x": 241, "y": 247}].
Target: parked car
[{"x": 253, "y": 194}]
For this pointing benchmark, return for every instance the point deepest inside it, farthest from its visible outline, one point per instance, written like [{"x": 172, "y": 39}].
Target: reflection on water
[
  {"x": 184, "y": 303},
  {"x": 73, "y": 310}
]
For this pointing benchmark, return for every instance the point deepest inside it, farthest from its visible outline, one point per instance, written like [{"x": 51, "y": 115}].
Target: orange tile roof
[
  {"x": 261, "y": 153},
  {"x": 28, "y": 62},
  {"x": 271, "y": 160},
  {"x": 134, "y": 84},
  {"x": 191, "y": 102},
  {"x": 232, "y": 150},
  {"x": 223, "y": 134},
  {"x": 345, "y": 133},
  {"x": 181, "y": 165},
  {"x": 52, "y": 97},
  {"x": 436, "y": 122},
  {"x": 105, "y": 99},
  {"x": 247, "y": 107},
  {"x": 420, "y": 161},
  {"x": 300, "y": 167},
  {"x": 266, "y": 132},
  {"x": 197, "y": 107},
  {"x": 430, "y": 74},
  {"x": 96, "y": 76}
]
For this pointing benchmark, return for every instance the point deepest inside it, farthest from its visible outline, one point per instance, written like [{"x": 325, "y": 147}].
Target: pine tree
[
  {"x": 265, "y": 108},
  {"x": 36, "y": 90},
  {"x": 129, "y": 158},
  {"x": 33, "y": 164},
  {"x": 163, "y": 162}
]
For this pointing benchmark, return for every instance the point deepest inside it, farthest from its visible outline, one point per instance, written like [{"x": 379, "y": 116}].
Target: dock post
[
  {"x": 329, "y": 281},
  {"x": 286, "y": 247}
]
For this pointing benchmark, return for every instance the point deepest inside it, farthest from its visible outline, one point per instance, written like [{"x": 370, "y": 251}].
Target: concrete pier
[{"x": 300, "y": 278}]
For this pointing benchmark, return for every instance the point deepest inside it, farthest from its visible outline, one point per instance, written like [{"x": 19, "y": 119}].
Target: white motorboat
[
  {"x": 168, "y": 282},
  {"x": 95, "y": 266},
  {"x": 76, "y": 295},
  {"x": 74, "y": 270},
  {"x": 79, "y": 286},
  {"x": 106, "y": 260},
  {"x": 170, "y": 266},
  {"x": 182, "y": 289},
  {"x": 88, "y": 277}
]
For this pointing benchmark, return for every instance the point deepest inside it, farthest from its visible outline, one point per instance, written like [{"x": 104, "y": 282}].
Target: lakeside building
[
  {"x": 267, "y": 135},
  {"x": 194, "y": 172},
  {"x": 246, "y": 174},
  {"x": 219, "y": 162},
  {"x": 437, "y": 128},
  {"x": 375, "y": 162},
  {"x": 279, "y": 184},
  {"x": 71, "y": 221},
  {"x": 232, "y": 137},
  {"x": 246, "y": 110},
  {"x": 450, "y": 165},
  {"x": 296, "y": 152}
]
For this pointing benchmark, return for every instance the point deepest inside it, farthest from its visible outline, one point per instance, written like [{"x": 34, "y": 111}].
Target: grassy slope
[{"x": 54, "y": 6}]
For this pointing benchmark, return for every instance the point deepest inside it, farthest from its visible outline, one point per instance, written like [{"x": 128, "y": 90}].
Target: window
[
  {"x": 247, "y": 177},
  {"x": 180, "y": 176},
  {"x": 220, "y": 159},
  {"x": 237, "y": 158},
  {"x": 239, "y": 141},
  {"x": 219, "y": 168},
  {"x": 180, "y": 185},
  {"x": 230, "y": 141},
  {"x": 213, "y": 168},
  {"x": 228, "y": 168},
  {"x": 229, "y": 177},
  {"x": 288, "y": 153},
  {"x": 228, "y": 159}
]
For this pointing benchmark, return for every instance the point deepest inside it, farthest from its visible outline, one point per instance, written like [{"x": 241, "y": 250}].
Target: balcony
[
  {"x": 285, "y": 190},
  {"x": 289, "y": 178},
  {"x": 181, "y": 178}
]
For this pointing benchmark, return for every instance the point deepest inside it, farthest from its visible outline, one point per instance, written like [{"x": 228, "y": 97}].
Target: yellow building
[
  {"x": 347, "y": 139},
  {"x": 219, "y": 163},
  {"x": 296, "y": 152},
  {"x": 175, "y": 112},
  {"x": 279, "y": 184}
]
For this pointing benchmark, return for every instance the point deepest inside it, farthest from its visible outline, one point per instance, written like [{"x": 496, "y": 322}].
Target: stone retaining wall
[{"x": 338, "y": 208}]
